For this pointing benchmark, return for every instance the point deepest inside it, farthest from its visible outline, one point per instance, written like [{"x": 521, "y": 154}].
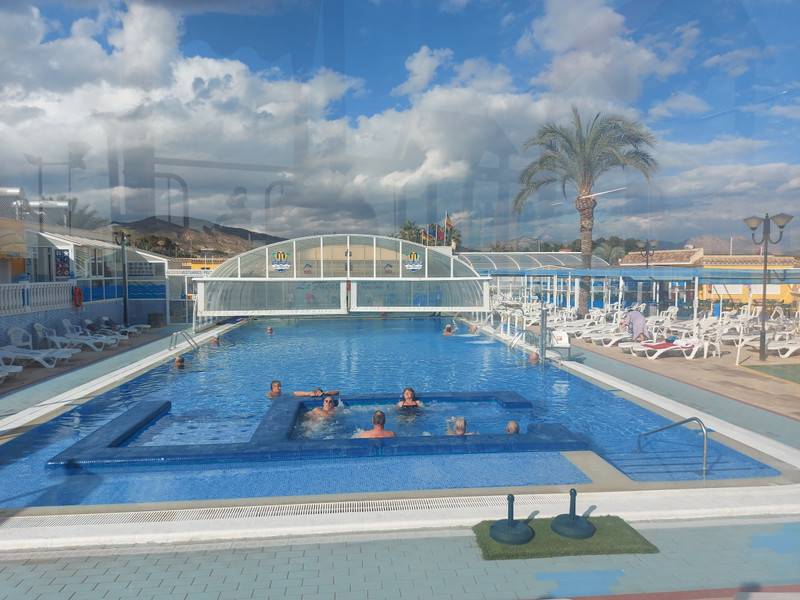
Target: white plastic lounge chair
[
  {"x": 54, "y": 340},
  {"x": 610, "y": 339},
  {"x": 94, "y": 329},
  {"x": 7, "y": 369},
  {"x": 784, "y": 348},
  {"x": 691, "y": 347},
  {"x": 131, "y": 329},
  {"x": 78, "y": 336},
  {"x": 653, "y": 350},
  {"x": 47, "y": 358},
  {"x": 20, "y": 338}
]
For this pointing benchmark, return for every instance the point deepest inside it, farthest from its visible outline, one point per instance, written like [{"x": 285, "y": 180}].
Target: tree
[
  {"x": 410, "y": 231},
  {"x": 454, "y": 235},
  {"x": 83, "y": 218},
  {"x": 578, "y": 156},
  {"x": 610, "y": 252}
]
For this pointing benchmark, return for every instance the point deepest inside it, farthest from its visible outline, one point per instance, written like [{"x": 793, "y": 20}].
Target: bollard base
[
  {"x": 514, "y": 533},
  {"x": 570, "y": 526}
]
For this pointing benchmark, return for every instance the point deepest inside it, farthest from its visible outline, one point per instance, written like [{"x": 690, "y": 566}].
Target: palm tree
[
  {"x": 83, "y": 217},
  {"x": 410, "y": 231},
  {"x": 577, "y": 156},
  {"x": 610, "y": 252}
]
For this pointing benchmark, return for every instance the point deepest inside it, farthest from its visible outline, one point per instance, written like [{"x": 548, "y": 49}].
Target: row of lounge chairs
[
  {"x": 691, "y": 339},
  {"x": 55, "y": 347}
]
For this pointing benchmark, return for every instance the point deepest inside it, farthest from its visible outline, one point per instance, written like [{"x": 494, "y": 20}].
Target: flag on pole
[
  {"x": 447, "y": 222},
  {"x": 439, "y": 233},
  {"x": 424, "y": 236},
  {"x": 431, "y": 233}
]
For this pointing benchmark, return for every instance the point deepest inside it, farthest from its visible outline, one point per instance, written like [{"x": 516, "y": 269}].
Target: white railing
[{"x": 18, "y": 298}]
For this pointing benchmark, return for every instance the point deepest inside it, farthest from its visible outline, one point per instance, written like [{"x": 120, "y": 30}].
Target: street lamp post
[
  {"x": 780, "y": 221},
  {"x": 76, "y": 152},
  {"x": 647, "y": 249},
  {"x": 122, "y": 237}
]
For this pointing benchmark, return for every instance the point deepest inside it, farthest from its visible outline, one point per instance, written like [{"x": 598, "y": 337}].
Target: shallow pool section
[{"x": 110, "y": 445}]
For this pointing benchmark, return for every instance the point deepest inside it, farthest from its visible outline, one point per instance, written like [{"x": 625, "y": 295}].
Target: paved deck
[{"x": 747, "y": 557}]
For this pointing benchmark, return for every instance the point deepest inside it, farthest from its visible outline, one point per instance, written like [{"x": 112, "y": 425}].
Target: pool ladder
[
  {"x": 696, "y": 420},
  {"x": 174, "y": 340}
]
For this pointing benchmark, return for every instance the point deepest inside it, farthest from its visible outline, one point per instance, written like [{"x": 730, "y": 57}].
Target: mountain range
[{"x": 235, "y": 240}]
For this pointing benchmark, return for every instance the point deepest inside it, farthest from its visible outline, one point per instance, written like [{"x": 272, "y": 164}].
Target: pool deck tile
[{"x": 691, "y": 559}]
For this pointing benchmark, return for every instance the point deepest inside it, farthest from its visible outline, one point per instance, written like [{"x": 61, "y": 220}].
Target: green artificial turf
[
  {"x": 790, "y": 372},
  {"x": 612, "y": 536}
]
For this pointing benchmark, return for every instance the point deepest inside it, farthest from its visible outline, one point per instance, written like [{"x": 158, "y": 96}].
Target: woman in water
[{"x": 409, "y": 399}]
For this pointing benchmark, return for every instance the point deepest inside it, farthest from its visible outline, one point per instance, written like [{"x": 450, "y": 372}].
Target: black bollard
[
  {"x": 509, "y": 531},
  {"x": 571, "y": 525}
]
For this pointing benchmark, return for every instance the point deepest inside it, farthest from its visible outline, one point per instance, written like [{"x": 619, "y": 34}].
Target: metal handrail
[
  {"x": 516, "y": 339},
  {"x": 173, "y": 340},
  {"x": 696, "y": 420}
]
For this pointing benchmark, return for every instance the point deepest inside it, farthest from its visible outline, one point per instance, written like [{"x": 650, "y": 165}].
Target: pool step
[{"x": 678, "y": 465}]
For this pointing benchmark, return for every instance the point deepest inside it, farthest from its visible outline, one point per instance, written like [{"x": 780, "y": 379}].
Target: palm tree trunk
[{"x": 585, "y": 206}]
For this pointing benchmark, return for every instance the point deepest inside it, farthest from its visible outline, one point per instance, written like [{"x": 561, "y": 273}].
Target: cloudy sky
[{"x": 317, "y": 116}]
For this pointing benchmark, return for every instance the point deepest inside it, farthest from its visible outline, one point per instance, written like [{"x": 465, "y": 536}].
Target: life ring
[{"x": 77, "y": 297}]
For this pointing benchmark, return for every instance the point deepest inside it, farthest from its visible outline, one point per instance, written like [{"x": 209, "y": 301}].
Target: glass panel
[
  {"x": 250, "y": 297},
  {"x": 253, "y": 264},
  {"x": 109, "y": 264},
  {"x": 438, "y": 263},
  {"x": 98, "y": 291},
  {"x": 82, "y": 262},
  {"x": 414, "y": 294},
  {"x": 334, "y": 255},
  {"x": 362, "y": 259},
  {"x": 309, "y": 259},
  {"x": 388, "y": 257}
]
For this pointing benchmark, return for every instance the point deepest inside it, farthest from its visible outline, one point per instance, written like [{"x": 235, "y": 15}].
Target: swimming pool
[{"x": 221, "y": 397}]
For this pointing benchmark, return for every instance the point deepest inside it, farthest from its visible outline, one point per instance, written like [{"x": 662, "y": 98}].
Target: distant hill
[{"x": 204, "y": 234}]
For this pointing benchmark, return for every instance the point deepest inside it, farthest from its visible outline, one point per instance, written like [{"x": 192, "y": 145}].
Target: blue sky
[{"x": 371, "y": 112}]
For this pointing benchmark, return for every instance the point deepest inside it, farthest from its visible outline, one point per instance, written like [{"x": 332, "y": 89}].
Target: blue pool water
[{"x": 220, "y": 397}]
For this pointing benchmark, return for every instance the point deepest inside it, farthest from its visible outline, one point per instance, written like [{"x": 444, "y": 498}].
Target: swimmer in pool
[
  {"x": 326, "y": 411},
  {"x": 409, "y": 399},
  {"x": 269, "y": 330},
  {"x": 317, "y": 392},
  {"x": 274, "y": 389},
  {"x": 512, "y": 427},
  {"x": 377, "y": 431},
  {"x": 180, "y": 362},
  {"x": 459, "y": 426},
  {"x": 449, "y": 330}
]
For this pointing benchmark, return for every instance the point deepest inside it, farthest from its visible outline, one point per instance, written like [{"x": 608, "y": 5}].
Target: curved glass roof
[
  {"x": 339, "y": 274},
  {"x": 346, "y": 256},
  {"x": 488, "y": 262}
]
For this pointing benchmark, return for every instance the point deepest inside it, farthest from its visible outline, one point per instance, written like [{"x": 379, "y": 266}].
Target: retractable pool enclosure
[{"x": 340, "y": 274}]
